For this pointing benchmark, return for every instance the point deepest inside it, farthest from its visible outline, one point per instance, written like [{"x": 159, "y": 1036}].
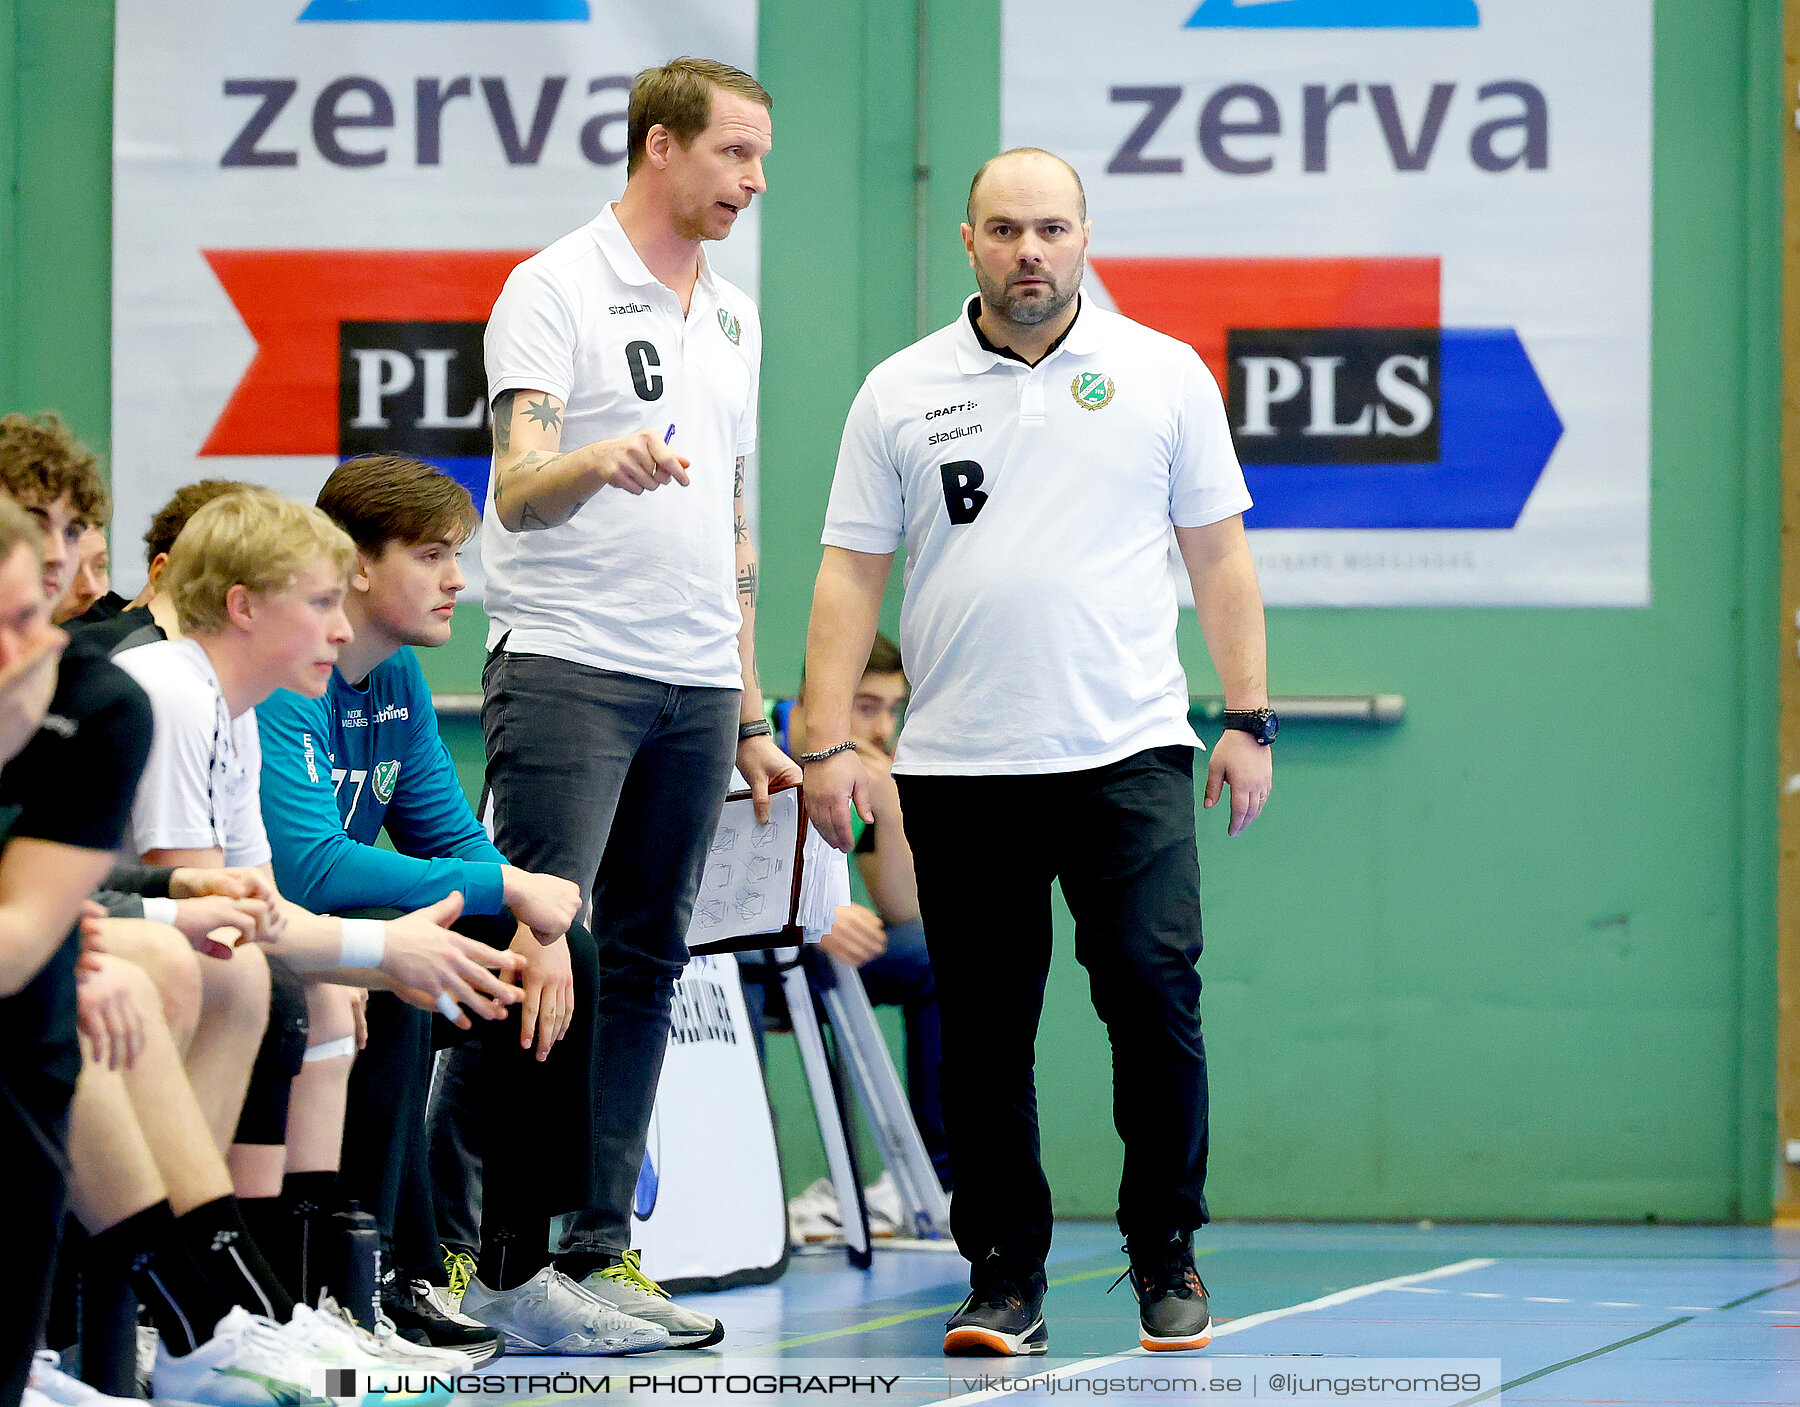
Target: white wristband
[
  {"x": 160, "y": 910},
  {"x": 365, "y": 939}
]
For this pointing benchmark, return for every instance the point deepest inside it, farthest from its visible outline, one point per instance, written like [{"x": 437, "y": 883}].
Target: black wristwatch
[{"x": 1259, "y": 723}]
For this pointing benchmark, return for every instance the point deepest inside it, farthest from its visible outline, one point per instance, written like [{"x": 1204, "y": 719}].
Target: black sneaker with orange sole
[
  {"x": 1173, "y": 1313},
  {"x": 1002, "y": 1315}
]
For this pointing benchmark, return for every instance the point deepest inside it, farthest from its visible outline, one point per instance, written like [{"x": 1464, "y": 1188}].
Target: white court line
[{"x": 1251, "y": 1321}]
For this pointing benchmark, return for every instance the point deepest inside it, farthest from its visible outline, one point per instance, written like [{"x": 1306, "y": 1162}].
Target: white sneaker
[
  {"x": 882, "y": 1197},
  {"x": 328, "y": 1338},
  {"x": 624, "y": 1286},
  {"x": 550, "y": 1313},
  {"x": 386, "y": 1342},
  {"x": 49, "y": 1381},
  {"x": 248, "y": 1362},
  {"x": 813, "y": 1215}
]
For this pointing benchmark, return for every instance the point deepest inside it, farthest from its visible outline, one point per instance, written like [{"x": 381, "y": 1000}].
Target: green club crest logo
[
  {"x": 728, "y": 324},
  {"x": 386, "y": 774},
  {"x": 1092, "y": 390}
]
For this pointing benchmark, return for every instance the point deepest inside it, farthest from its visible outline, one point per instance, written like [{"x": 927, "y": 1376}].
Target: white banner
[
  {"x": 710, "y": 1206},
  {"x": 1412, "y": 240},
  {"x": 299, "y": 182}
]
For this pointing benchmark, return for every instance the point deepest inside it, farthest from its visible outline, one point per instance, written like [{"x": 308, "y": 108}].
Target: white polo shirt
[
  {"x": 1038, "y": 627},
  {"x": 200, "y": 788},
  {"x": 644, "y": 585}
]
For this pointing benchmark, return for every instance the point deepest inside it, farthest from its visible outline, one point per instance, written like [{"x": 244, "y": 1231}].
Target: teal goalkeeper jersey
[{"x": 337, "y": 770}]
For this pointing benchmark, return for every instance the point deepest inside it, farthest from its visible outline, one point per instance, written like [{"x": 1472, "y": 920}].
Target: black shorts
[{"x": 283, "y": 1051}]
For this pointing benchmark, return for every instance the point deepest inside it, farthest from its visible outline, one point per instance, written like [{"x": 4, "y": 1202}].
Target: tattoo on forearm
[
  {"x": 741, "y": 531},
  {"x": 503, "y": 406},
  {"x": 737, "y": 486},
  {"x": 741, "y": 528},
  {"x": 746, "y": 582},
  {"x": 543, "y": 413},
  {"x": 530, "y": 519}
]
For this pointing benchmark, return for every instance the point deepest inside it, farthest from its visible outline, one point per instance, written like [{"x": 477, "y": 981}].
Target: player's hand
[
  {"x": 639, "y": 463},
  {"x": 107, "y": 1015},
  {"x": 191, "y": 882},
  {"x": 857, "y": 935},
  {"x": 1248, "y": 768},
  {"x": 214, "y": 925},
  {"x": 833, "y": 787},
  {"x": 93, "y": 916},
  {"x": 27, "y": 686},
  {"x": 359, "y": 1016},
  {"x": 426, "y": 959},
  {"x": 767, "y": 768},
  {"x": 548, "y": 1008},
  {"x": 545, "y": 903}
]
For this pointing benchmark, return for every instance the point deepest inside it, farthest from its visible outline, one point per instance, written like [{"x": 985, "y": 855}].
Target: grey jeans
[{"x": 615, "y": 783}]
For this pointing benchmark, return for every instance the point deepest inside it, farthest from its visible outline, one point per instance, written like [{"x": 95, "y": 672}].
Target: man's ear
[
  {"x": 656, "y": 145},
  {"x": 359, "y": 579},
  {"x": 240, "y": 606},
  {"x": 158, "y": 565}
]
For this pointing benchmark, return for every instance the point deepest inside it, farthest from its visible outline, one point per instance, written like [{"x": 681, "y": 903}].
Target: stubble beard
[{"x": 1031, "y": 312}]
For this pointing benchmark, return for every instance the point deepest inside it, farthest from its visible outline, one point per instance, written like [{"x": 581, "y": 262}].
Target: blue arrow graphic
[
  {"x": 1497, "y": 433},
  {"x": 1334, "y": 14},
  {"x": 444, "y": 11}
]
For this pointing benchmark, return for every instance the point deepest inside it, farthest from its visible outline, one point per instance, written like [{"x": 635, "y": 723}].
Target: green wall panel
[{"x": 1513, "y": 958}]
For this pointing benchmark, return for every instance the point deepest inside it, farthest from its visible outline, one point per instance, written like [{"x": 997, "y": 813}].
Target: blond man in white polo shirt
[
  {"x": 621, "y": 682},
  {"x": 1034, "y": 457}
]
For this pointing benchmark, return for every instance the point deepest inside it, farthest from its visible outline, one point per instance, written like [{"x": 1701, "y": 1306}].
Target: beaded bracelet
[{"x": 806, "y": 758}]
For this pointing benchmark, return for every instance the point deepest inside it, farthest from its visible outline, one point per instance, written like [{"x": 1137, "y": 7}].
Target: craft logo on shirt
[
  {"x": 1092, "y": 390},
  {"x": 386, "y": 775},
  {"x": 728, "y": 324},
  {"x": 310, "y": 757}
]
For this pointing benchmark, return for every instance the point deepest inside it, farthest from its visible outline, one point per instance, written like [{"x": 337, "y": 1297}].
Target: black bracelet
[
  {"x": 757, "y": 728},
  {"x": 806, "y": 758}
]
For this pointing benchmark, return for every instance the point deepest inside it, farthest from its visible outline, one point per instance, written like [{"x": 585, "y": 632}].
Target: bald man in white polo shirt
[
  {"x": 621, "y": 681},
  {"x": 1034, "y": 457}
]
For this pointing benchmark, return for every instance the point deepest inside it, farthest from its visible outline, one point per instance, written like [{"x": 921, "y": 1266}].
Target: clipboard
[{"x": 745, "y": 868}]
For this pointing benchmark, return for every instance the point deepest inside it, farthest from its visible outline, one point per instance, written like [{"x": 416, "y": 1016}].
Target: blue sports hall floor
[{"x": 1652, "y": 1314}]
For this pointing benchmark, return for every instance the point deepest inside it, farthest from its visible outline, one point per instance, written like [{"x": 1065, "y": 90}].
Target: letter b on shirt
[{"x": 962, "y": 490}]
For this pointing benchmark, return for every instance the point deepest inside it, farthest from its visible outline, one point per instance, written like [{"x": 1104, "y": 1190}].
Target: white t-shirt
[
  {"x": 1038, "y": 627},
  {"x": 200, "y": 788},
  {"x": 644, "y": 585}
]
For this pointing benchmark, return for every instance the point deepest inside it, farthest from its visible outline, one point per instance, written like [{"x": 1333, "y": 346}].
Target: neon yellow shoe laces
[
  {"x": 459, "y": 1269},
  {"x": 628, "y": 1271}
]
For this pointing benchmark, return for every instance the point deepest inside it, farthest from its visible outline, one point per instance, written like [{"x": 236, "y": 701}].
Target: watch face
[{"x": 1271, "y": 726}]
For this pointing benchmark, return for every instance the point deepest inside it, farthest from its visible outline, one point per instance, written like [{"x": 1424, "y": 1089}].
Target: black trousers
[
  {"x": 40, "y": 1061},
  {"x": 538, "y": 1160},
  {"x": 1120, "y": 839}
]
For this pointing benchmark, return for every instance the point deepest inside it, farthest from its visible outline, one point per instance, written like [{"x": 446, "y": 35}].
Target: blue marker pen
[{"x": 670, "y": 435}]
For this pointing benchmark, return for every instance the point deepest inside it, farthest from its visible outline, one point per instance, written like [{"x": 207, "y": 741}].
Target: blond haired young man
[{"x": 258, "y": 585}]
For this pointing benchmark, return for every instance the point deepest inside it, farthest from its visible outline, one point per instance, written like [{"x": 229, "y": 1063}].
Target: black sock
[
  {"x": 216, "y": 1234},
  {"x": 150, "y": 1251},
  {"x": 290, "y": 1229},
  {"x": 509, "y": 1258}
]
